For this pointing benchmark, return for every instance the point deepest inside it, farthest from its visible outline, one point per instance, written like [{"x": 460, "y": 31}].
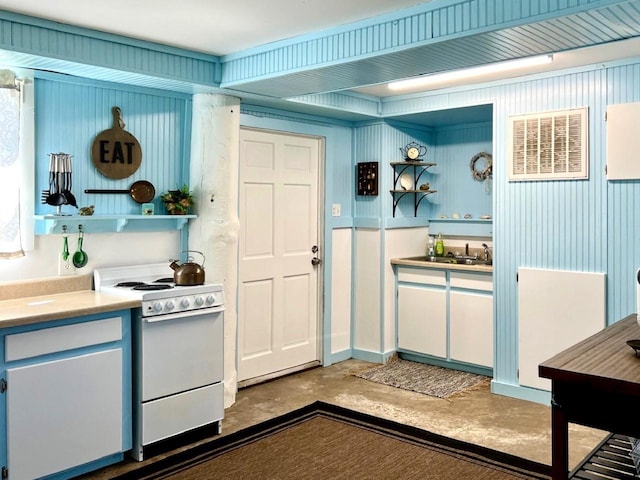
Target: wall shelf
[
  {"x": 419, "y": 168},
  {"x": 461, "y": 226},
  {"x": 49, "y": 224}
]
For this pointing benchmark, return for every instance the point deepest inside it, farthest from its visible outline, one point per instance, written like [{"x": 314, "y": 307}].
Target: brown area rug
[
  {"x": 323, "y": 441},
  {"x": 423, "y": 378}
]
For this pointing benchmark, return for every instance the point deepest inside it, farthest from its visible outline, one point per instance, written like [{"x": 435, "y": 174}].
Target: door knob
[{"x": 315, "y": 261}]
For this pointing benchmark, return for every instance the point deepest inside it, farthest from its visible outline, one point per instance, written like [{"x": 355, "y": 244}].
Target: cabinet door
[
  {"x": 471, "y": 327},
  {"x": 64, "y": 413},
  {"x": 422, "y": 320},
  {"x": 623, "y": 141}
]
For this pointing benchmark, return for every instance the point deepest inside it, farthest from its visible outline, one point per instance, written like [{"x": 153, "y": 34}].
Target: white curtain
[{"x": 10, "y": 172}]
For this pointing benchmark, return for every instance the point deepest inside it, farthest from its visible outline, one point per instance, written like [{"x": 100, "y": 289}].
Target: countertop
[
  {"x": 44, "y": 308},
  {"x": 423, "y": 262}
]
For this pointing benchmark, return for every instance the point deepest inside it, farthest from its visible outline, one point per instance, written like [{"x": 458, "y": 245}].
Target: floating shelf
[
  {"x": 418, "y": 196},
  {"x": 475, "y": 227},
  {"x": 48, "y": 224}
]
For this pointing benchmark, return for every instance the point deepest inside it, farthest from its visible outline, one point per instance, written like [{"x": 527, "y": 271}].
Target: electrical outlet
[
  {"x": 65, "y": 267},
  {"x": 335, "y": 210}
]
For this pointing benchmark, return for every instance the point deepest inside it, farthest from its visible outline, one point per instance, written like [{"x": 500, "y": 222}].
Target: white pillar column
[{"x": 215, "y": 140}]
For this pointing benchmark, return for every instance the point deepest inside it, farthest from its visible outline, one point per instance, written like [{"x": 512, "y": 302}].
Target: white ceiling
[{"x": 218, "y": 27}]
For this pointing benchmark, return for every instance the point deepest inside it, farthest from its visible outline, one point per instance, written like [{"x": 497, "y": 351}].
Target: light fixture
[{"x": 473, "y": 72}]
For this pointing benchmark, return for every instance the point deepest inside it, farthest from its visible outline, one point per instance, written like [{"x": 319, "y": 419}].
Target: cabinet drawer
[
  {"x": 167, "y": 416},
  {"x": 60, "y": 339},
  {"x": 425, "y": 276},
  {"x": 471, "y": 281}
]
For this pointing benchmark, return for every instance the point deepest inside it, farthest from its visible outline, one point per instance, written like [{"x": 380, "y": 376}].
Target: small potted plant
[{"x": 177, "y": 202}]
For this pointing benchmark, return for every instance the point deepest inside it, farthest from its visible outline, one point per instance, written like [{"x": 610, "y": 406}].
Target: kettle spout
[{"x": 174, "y": 265}]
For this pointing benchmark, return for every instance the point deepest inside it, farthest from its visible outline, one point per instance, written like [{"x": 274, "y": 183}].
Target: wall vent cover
[{"x": 549, "y": 146}]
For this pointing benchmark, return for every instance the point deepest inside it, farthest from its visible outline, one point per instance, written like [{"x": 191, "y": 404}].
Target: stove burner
[
  {"x": 145, "y": 286},
  {"x": 164, "y": 280},
  {"x": 129, "y": 284}
]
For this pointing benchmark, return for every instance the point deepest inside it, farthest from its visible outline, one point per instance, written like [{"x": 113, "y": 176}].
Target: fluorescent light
[{"x": 491, "y": 68}]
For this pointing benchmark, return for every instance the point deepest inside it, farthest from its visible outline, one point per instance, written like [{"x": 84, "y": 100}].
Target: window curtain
[{"x": 10, "y": 103}]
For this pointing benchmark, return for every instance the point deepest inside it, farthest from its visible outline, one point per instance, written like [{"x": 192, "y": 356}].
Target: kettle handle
[{"x": 195, "y": 251}]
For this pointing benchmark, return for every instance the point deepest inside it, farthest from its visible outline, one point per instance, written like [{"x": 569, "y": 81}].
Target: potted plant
[{"x": 177, "y": 202}]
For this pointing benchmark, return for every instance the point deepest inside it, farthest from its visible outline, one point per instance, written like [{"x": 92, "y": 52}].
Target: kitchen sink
[{"x": 458, "y": 260}]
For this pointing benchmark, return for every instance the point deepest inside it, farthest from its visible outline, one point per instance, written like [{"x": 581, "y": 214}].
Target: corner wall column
[{"x": 215, "y": 143}]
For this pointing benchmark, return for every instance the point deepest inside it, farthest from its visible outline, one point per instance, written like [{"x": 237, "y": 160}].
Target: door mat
[
  {"x": 422, "y": 378},
  {"x": 324, "y": 441}
]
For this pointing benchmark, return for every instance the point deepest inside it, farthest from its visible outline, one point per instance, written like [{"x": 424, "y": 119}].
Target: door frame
[{"x": 322, "y": 326}]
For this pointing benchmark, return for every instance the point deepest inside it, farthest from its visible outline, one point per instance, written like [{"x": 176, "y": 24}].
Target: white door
[{"x": 278, "y": 307}]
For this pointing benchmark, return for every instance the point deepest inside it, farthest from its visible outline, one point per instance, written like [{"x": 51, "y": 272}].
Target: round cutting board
[{"x": 115, "y": 152}]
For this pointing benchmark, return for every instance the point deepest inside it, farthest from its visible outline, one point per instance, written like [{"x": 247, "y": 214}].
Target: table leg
[{"x": 559, "y": 443}]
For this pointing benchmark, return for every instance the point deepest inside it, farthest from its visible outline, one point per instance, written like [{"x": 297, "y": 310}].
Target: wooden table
[{"x": 594, "y": 383}]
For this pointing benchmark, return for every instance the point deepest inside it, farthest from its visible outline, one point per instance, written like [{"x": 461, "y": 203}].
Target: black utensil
[{"x": 66, "y": 191}]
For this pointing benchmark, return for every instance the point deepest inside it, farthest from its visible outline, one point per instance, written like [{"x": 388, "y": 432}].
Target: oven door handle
[{"x": 182, "y": 315}]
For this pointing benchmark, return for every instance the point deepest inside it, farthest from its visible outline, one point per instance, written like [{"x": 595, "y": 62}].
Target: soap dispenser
[
  {"x": 430, "y": 248},
  {"x": 439, "y": 246}
]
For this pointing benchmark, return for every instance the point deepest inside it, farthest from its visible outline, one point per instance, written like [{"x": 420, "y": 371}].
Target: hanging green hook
[{"x": 65, "y": 244}]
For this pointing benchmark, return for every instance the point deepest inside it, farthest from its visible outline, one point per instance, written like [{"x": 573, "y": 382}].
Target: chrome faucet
[{"x": 486, "y": 252}]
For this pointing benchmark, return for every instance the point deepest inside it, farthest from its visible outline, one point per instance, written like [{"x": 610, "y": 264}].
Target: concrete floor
[{"x": 502, "y": 423}]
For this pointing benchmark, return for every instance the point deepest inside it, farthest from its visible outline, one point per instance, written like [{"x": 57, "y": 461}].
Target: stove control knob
[
  {"x": 184, "y": 303},
  {"x": 157, "y": 306},
  {"x": 199, "y": 301},
  {"x": 210, "y": 299},
  {"x": 169, "y": 305}
]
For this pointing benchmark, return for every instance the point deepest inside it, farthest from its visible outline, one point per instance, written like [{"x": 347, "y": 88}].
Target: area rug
[
  {"x": 323, "y": 441},
  {"x": 422, "y": 378}
]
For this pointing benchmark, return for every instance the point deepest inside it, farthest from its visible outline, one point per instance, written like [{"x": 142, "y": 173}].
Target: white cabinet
[
  {"x": 63, "y": 413},
  {"x": 446, "y": 314},
  {"x": 68, "y": 395},
  {"x": 471, "y": 322},
  {"x": 623, "y": 141},
  {"x": 423, "y": 325},
  {"x": 471, "y": 318}
]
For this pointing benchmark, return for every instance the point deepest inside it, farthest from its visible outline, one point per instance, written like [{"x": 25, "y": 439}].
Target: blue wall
[
  {"x": 450, "y": 148},
  {"x": 585, "y": 225},
  {"x": 590, "y": 225},
  {"x": 70, "y": 112},
  {"x": 457, "y": 190}
]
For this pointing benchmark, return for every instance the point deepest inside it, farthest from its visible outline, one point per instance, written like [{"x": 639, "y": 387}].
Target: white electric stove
[{"x": 177, "y": 352}]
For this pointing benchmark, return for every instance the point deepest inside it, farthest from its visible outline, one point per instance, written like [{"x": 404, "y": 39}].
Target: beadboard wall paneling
[
  {"x": 458, "y": 192},
  {"x": 545, "y": 224},
  {"x": 381, "y": 142},
  {"x": 69, "y": 116},
  {"x": 57, "y": 47},
  {"x": 449, "y": 35},
  {"x": 552, "y": 224}
]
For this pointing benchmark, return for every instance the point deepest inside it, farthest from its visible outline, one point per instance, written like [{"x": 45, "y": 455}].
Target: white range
[{"x": 177, "y": 353}]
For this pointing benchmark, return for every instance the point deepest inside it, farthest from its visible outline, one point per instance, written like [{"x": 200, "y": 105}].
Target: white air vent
[{"x": 549, "y": 146}]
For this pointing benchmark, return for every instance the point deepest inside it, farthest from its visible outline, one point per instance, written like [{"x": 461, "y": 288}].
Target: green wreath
[{"x": 481, "y": 175}]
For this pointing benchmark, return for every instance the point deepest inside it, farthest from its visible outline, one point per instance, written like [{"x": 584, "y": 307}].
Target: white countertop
[
  {"x": 43, "y": 308},
  {"x": 423, "y": 262}
]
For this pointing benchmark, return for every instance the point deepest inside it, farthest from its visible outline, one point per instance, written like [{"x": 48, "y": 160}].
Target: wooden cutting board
[{"x": 115, "y": 152}]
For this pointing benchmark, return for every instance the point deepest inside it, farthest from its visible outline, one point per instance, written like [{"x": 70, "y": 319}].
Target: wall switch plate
[
  {"x": 335, "y": 210},
  {"x": 65, "y": 267}
]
